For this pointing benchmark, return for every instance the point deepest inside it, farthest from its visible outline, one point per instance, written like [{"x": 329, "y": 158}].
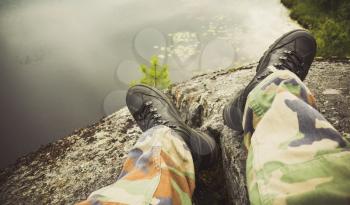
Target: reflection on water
[{"x": 65, "y": 64}]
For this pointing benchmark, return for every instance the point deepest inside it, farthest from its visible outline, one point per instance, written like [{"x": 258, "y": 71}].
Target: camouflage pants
[
  {"x": 295, "y": 156},
  {"x": 159, "y": 170}
]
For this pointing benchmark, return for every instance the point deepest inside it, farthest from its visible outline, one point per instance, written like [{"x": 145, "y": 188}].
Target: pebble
[{"x": 331, "y": 92}]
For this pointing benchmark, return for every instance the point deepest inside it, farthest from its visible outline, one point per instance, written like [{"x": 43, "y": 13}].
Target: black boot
[
  {"x": 293, "y": 51},
  {"x": 151, "y": 107}
]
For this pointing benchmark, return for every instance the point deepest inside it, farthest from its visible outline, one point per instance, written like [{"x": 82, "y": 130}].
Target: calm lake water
[{"x": 65, "y": 64}]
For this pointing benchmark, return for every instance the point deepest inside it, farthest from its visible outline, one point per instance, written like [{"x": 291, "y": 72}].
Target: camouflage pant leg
[
  {"x": 295, "y": 155},
  {"x": 159, "y": 170}
]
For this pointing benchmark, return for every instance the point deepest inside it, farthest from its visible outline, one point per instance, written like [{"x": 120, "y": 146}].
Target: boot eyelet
[
  {"x": 148, "y": 103},
  {"x": 283, "y": 58}
]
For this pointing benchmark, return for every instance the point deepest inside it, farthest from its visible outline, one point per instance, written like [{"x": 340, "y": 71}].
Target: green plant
[
  {"x": 155, "y": 75},
  {"x": 328, "y": 21},
  {"x": 332, "y": 39}
]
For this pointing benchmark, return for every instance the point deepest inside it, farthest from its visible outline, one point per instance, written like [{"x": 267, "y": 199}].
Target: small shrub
[
  {"x": 328, "y": 20},
  {"x": 155, "y": 75},
  {"x": 332, "y": 39}
]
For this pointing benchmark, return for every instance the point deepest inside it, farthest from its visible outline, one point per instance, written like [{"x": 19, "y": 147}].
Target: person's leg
[
  {"x": 295, "y": 155},
  {"x": 161, "y": 167},
  {"x": 159, "y": 170}
]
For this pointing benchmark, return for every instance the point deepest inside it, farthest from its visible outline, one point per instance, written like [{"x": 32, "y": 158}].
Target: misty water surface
[{"x": 64, "y": 64}]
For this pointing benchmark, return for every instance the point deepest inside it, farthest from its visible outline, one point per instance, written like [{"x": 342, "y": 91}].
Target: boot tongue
[
  {"x": 275, "y": 57},
  {"x": 159, "y": 116},
  {"x": 134, "y": 102},
  {"x": 286, "y": 59},
  {"x": 302, "y": 46},
  {"x": 293, "y": 63}
]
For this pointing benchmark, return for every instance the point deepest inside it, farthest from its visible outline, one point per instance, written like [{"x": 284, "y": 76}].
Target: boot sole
[{"x": 228, "y": 122}]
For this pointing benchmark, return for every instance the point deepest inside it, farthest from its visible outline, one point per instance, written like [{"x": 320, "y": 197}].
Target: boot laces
[
  {"x": 291, "y": 61},
  {"x": 150, "y": 113}
]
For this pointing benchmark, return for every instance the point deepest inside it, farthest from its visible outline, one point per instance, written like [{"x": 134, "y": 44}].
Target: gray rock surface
[{"x": 68, "y": 170}]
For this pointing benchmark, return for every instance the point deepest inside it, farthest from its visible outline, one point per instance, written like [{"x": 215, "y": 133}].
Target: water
[{"x": 64, "y": 64}]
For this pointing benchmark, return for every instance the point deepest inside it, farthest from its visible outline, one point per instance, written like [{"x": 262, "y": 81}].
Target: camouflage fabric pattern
[
  {"x": 159, "y": 170},
  {"x": 295, "y": 156}
]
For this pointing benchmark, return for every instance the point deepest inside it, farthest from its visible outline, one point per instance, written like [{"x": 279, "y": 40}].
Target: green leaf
[{"x": 155, "y": 75}]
